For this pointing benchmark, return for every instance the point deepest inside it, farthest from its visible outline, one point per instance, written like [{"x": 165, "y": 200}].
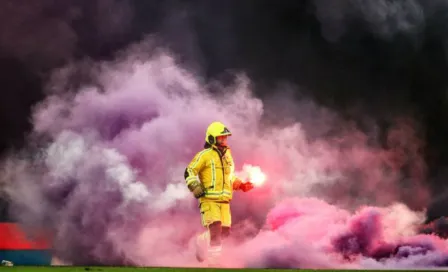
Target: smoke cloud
[
  {"x": 45, "y": 34},
  {"x": 103, "y": 175}
]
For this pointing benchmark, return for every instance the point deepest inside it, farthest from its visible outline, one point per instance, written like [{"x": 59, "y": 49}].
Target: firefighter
[{"x": 210, "y": 177}]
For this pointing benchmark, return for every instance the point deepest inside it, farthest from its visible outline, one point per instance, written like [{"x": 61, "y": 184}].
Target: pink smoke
[
  {"x": 108, "y": 180},
  {"x": 309, "y": 233}
]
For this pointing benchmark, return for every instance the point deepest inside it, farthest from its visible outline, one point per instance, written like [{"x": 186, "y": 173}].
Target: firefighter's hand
[
  {"x": 247, "y": 186},
  {"x": 197, "y": 189},
  {"x": 237, "y": 184},
  {"x": 243, "y": 186}
]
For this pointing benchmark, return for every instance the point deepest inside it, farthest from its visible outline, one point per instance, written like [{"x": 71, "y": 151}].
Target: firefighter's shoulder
[{"x": 203, "y": 153}]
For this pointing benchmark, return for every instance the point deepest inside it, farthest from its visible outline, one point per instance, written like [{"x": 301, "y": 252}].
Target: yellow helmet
[{"x": 214, "y": 130}]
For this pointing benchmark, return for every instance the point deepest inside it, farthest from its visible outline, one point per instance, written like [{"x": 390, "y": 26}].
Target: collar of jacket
[{"x": 221, "y": 151}]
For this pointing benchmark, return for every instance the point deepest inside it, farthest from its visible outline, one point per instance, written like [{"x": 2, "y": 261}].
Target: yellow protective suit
[
  {"x": 216, "y": 173},
  {"x": 210, "y": 177}
]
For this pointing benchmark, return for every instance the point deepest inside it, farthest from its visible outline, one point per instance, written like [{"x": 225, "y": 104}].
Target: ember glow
[{"x": 254, "y": 175}]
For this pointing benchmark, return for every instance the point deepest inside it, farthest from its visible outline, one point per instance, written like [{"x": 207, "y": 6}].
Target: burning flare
[{"x": 254, "y": 175}]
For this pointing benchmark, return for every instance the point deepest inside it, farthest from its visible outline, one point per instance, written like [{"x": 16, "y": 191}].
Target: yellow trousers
[
  {"x": 215, "y": 211},
  {"x": 209, "y": 243}
]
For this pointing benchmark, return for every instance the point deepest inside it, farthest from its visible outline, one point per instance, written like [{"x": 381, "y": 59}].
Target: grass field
[
  {"x": 133, "y": 269},
  {"x": 127, "y": 269}
]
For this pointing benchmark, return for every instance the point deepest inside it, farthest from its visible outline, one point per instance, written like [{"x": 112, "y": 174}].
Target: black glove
[{"x": 197, "y": 189}]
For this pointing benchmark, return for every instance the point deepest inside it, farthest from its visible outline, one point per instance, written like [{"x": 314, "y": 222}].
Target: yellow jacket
[{"x": 215, "y": 172}]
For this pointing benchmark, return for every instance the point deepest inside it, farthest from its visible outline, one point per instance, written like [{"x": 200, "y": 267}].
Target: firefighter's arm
[
  {"x": 237, "y": 183},
  {"x": 191, "y": 176}
]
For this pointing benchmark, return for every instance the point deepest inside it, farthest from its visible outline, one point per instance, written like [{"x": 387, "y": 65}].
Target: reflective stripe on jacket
[{"x": 215, "y": 171}]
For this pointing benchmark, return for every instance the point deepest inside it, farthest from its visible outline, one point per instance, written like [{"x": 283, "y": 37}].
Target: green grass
[
  {"x": 121, "y": 269},
  {"x": 134, "y": 269}
]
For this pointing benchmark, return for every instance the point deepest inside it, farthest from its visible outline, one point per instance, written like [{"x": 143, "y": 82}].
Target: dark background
[{"x": 376, "y": 58}]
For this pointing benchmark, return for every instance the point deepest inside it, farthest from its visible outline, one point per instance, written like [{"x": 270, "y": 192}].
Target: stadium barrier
[{"x": 16, "y": 247}]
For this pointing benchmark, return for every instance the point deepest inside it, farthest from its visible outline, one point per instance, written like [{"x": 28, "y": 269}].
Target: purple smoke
[{"x": 107, "y": 183}]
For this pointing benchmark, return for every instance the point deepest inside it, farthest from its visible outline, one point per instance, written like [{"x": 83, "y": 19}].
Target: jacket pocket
[{"x": 204, "y": 207}]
